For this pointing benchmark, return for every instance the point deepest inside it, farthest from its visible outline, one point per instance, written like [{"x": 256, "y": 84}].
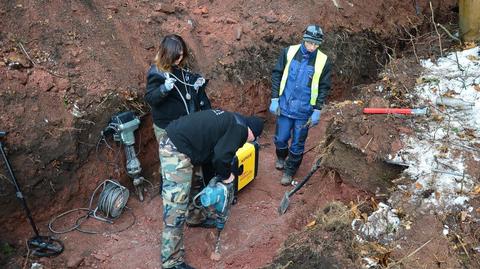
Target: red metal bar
[{"x": 371, "y": 110}]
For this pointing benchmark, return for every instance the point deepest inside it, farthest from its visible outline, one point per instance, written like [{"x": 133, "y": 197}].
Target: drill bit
[{"x": 216, "y": 253}]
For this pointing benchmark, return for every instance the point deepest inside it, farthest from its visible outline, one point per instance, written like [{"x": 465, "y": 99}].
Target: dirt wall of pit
[{"x": 67, "y": 66}]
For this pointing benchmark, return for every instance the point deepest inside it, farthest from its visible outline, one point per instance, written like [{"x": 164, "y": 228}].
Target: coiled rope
[{"x": 111, "y": 202}]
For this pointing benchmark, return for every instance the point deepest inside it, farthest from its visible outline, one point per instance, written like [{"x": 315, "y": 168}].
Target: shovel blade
[{"x": 284, "y": 203}]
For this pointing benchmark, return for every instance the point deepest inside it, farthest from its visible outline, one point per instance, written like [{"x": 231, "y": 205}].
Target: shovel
[{"x": 286, "y": 198}]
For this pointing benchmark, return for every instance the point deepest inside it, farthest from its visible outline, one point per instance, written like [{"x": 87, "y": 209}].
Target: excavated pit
[
  {"x": 90, "y": 160},
  {"x": 55, "y": 155}
]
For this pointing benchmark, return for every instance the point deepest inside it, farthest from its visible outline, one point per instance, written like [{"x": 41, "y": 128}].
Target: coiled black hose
[
  {"x": 111, "y": 202},
  {"x": 112, "y": 199}
]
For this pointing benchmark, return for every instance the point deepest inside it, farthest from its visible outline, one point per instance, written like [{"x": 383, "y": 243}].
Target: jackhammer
[
  {"x": 122, "y": 127},
  {"x": 220, "y": 196}
]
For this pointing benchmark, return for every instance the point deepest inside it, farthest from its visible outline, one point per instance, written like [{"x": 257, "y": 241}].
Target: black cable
[
  {"x": 103, "y": 232},
  {"x": 111, "y": 202},
  {"x": 97, "y": 155},
  {"x": 50, "y": 224}
]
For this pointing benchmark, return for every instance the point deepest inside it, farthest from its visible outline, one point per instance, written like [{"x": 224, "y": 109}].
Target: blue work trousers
[{"x": 291, "y": 128}]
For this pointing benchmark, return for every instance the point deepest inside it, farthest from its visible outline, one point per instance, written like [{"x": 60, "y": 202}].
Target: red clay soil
[
  {"x": 67, "y": 66},
  {"x": 251, "y": 238}
]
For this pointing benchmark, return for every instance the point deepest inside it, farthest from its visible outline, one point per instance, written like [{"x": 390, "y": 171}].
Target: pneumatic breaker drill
[
  {"x": 122, "y": 127},
  {"x": 220, "y": 196}
]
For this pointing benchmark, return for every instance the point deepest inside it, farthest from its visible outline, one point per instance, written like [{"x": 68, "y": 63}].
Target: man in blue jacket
[{"x": 300, "y": 84}]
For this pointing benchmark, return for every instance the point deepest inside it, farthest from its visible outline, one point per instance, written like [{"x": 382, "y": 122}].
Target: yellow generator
[{"x": 245, "y": 165}]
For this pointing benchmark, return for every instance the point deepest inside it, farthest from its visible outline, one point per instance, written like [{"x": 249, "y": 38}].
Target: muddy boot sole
[
  {"x": 279, "y": 164},
  {"x": 286, "y": 180}
]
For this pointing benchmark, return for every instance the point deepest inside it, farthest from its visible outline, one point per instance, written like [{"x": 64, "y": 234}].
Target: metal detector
[{"x": 42, "y": 246}]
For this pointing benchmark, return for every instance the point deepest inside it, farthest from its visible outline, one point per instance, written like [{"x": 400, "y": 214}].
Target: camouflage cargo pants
[
  {"x": 195, "y": 215},
  {"x": 159, "y": 134},
  {"x": 177, "y": 193}
]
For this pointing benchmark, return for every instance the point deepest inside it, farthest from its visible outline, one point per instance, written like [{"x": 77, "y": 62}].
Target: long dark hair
[{"x": 171, "y": 48}]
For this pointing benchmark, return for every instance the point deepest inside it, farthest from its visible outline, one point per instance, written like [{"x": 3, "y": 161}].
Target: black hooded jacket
[
  {"x": 171, "y": 105},
  {"x": 210, "y": 136}
]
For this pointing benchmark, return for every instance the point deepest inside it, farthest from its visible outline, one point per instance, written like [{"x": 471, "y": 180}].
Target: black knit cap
[{"x": 255, "y": 124}]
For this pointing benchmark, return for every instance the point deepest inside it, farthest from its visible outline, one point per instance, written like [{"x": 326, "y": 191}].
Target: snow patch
[
  {"x": 381, "y": 225},
  {"x": 436, "y": 154}
]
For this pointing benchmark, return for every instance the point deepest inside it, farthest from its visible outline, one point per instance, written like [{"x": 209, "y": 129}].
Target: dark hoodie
[
  {"x": 211, "y": 136},
  {"x": 166, "y": 105}
]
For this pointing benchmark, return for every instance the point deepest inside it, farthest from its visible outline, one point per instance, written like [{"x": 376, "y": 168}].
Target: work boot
[
  {"x": 182, "y": 266},
  {"x": 199, "y": 217},
  {"x": 286, "y": 179},
  {"x": 281, "y": 156},
  {"x": 292, "y": 163},
  {"x": 207, "y": 223},
  {"x": 280, "y": 164}
]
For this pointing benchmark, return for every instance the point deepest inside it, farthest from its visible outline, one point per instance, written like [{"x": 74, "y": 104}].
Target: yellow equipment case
[{"x": 245, "y": 165}]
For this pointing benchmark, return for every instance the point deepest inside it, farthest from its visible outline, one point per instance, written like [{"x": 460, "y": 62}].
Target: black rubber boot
[
  {"x": 286, "y": 179},
  {"x": 281, "y": 156},
  {"x": 291, "y": 166},
  {"x": 292, "y": 163}
]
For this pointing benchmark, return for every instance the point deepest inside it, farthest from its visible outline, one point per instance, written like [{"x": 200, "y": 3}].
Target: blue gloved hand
[
  {"x": 198, "y": 83},
  {"x": 274, "y": 106},
  {"x": 169, "y": 82},
  {"x": 315, "y": 116}
]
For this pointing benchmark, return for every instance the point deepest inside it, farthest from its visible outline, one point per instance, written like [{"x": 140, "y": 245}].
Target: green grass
[{"x": 6, "y": 249}]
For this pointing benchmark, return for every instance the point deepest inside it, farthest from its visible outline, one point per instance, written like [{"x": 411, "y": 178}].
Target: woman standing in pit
[{"x": 173, "y": 91}]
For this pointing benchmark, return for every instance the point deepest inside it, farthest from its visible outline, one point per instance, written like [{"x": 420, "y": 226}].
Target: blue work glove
[
  {"x": 274, "y": 106},
  {"x": 315, "y": 116},
  {"x": 169, "y": 82},
  {"x": 198, "y": 83}
]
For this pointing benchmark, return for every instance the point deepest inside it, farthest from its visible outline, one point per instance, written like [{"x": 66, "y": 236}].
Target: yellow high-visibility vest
[{"x": 320, "y": 61}]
